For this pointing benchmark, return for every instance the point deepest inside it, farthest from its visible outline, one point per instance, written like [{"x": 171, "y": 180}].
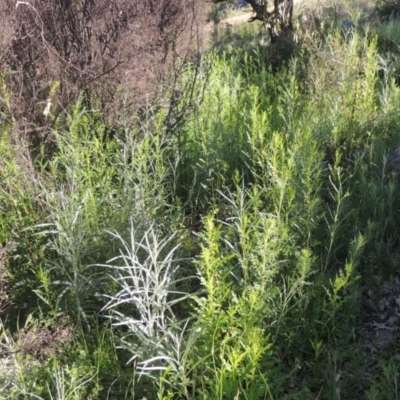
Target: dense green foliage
[{"x": 225, "y": 257}]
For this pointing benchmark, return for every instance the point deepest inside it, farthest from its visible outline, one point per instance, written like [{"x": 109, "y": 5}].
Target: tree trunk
[{"x": 278, "y": 20}]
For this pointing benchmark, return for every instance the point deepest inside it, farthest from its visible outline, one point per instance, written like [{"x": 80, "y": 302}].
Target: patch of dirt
[
  {"x": 42, "y": 342},
  {"x": 382, "y": 322}
]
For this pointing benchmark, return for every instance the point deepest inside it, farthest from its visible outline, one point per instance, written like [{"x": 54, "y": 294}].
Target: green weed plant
[{"x": 242, "y": 238}]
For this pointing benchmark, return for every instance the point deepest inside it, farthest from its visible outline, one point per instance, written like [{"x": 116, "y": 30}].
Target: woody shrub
[{"x": 113, "y": 52}]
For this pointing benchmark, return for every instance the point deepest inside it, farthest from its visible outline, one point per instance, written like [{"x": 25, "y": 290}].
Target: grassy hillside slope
[{"x": 243, "y": 246}]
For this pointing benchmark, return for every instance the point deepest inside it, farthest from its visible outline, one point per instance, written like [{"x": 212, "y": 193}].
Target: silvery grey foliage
[{"x": 145, "y": 275}]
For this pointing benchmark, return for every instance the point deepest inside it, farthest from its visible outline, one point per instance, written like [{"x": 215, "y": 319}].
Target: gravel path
[{"x": 238, "y": 19}]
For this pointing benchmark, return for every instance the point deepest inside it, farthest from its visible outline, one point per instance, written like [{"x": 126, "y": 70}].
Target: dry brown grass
[
  {"x": 43, "y": 342},
  {"x": 5, "y": 301}
]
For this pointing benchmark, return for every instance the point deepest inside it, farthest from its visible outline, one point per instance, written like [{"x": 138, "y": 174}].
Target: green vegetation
[{"x": 244, "y": 252}]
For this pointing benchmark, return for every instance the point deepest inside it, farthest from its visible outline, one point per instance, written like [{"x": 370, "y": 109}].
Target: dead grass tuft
[{"x": 44, "y": 342}]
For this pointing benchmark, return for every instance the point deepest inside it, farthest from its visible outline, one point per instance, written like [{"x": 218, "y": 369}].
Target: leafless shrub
[{"x": 109, "y": 51}]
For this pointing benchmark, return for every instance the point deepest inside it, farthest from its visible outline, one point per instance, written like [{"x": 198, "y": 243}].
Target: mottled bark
[{"x": 280, "y": 18}]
